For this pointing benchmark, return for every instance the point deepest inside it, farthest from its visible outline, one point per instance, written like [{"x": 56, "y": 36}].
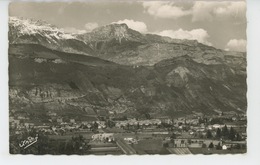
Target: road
[{"x": 126, "y": 148}]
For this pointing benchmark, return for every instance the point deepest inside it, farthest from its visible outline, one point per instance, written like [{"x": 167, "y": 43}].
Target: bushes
[
  {"x": 165, "y": 145},
  {"x": 204, "y": 145}
]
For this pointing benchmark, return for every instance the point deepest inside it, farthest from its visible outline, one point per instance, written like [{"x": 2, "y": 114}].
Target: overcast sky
[{"x": 220, "y": 24}]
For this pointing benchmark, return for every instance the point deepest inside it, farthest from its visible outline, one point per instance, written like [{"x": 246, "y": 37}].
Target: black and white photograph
[{"x": 127, "y": 78}]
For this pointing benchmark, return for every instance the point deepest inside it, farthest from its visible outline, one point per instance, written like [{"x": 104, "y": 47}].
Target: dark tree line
[
  {"x": 225, "y": 133},
  {"x": 44, "y": 145}
]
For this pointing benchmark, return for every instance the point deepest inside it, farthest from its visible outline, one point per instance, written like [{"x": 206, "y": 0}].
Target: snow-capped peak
[{"x": 32, "y": 27}]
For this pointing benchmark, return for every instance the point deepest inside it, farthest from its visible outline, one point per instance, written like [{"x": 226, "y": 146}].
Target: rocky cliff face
[{"x": 128, "y": 73}]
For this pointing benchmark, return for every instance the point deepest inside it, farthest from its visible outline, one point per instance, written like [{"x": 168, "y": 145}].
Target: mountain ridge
[
  {"x": 118, "y": 43},
  {"x": 124, "y": 72}
]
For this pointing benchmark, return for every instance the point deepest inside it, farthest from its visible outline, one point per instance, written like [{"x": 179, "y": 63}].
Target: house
[
  {"x": 111, "y": 112},
  {"x": 59, "y": 120},
  {"x": 165, "y": 120},
  {"x": 234, "y": 118},
  {"x": 21, "y": 117},
  {"x": 121, "y": 124},
  {"x": 89, "y": 126},
  {"x": 102, "y": 137},
  {"x": 72, "y": 121},
  {"x": 101, "y": 124},
  {"x": 192, "y": 121},
  {"x": 244, "y": 135},
  {"x": 180, "y": 143},
  {"x": 194, "y": 142},
  {"x": 85, "y": 122},
  {"x": 52, "y": 113},
  {"x": 209, "y": 127},
  {"x": 28, "y": 125},
  {"x": 224, "y": 147},
  {"x": 216, "y": 126},
  {"x": 130, "y": 140},
  {"x": 215, "y": 142},
  {"x": 156, "y": 121}
]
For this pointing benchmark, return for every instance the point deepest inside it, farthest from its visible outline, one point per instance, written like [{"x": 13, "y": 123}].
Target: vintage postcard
[{"x": 127, "y": 78}]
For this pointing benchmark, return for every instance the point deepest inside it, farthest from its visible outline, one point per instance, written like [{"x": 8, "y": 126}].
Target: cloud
[
  {"x": 135, "y": 25},
  {"x": 207, "y": 11},
  {"x": 236, "y": 45},
  {"x": 162, "y": 9},
  {"x": 199, "y": 11},
  {"x": 73, "y": 30},
  {"x": 90, "y": 26},
  {"x": 61, "y": 10},
  {"x": 200, "y": 35}
]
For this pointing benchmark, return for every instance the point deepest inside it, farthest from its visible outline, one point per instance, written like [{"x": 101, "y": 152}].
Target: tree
[
  {"x": 110, "y": 123},
  {"x": 77, "y": 145},
  {"x": 128, "y": 126},
  {"x": 218, "y": 147},
  {"x": 209, "y": 134},
  {"x": 225, "y": 132},
  {"x": 237, "y": 146},
  {"x": 143, "y": 111},
  {"x": 218, "y": 134},
  {"x": 238, "y": 137},
  {"x": 211, "y": 145},
  {"x": 45, "y": 145},
  {"x": 232, "y": 134},
  {"x": 40, "y": 147},
  {"x": 165, "y": 144},
  {"x": 147, "y": 116},
  {"x": 138, "y": 125},
  {"x": 206, "y": 120},
  {"x": 95, "y": 125},
  {"x": 173, "y": 136},
  {"x": 201, "y": 121}
]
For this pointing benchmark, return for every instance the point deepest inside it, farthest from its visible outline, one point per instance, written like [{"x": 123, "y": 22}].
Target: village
[{"x": 194, "y": 134}]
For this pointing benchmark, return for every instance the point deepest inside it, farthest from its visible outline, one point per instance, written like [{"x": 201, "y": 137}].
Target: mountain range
[{"x": 116, "y": 70}]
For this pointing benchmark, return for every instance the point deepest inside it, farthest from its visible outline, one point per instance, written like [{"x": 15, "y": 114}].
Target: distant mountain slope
[
  {"x": 42, "y": 79},
  {"x": 36, "y": 51}
]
